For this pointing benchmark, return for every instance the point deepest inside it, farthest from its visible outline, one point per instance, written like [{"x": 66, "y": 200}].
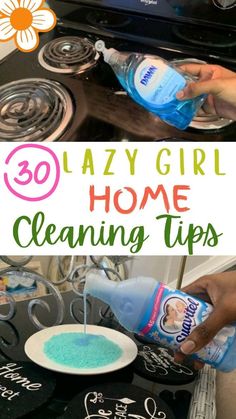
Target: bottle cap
[{"x": 107, "y": 53}]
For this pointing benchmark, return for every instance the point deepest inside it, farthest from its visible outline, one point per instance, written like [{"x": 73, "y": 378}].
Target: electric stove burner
[
  {"x": 68, "y": 55},
  {"x": 210, "y": 122},
  {"x": 34, "y": 110},
  {"x": 107, "y": 19}
]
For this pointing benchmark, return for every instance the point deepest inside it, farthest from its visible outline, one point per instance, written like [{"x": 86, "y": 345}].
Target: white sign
[{"x": 118, "y": 198}]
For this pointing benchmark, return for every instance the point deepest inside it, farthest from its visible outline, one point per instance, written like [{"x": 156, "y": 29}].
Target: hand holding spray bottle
[
  {"x": 153, "y": 83},
  {"x": 149, "y": 308}
]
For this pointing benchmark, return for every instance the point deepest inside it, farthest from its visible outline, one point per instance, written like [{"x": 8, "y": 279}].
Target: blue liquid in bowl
[{"x": 82, "y": 350}]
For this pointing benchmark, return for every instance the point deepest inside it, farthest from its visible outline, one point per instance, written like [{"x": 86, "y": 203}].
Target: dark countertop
[{"x": 16, "y": 331}]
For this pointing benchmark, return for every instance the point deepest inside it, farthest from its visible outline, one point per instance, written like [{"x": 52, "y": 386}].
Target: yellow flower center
[{"x": 21, "y": 19}]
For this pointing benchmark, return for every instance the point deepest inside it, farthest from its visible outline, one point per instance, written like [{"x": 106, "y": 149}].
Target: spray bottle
[{"x": 153, "y": 83}]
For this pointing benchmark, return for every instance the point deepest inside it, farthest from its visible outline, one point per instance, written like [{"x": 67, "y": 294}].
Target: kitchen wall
[
  {"x": 166, "y": 268},
  {"x": 162, "y": 268},
  {"x": 6, "y": 48}
]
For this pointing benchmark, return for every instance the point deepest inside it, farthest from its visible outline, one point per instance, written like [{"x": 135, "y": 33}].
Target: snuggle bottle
[
  {"x": 153, "y": 83},
  {"x": 151, "y": 309}
]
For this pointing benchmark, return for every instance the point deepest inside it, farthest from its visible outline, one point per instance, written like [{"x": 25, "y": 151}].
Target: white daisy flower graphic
[{"x": 22, "y": 20}]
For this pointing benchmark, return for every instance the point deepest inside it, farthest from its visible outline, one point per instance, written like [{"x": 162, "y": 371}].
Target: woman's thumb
[{"x": 203, "y": 333}]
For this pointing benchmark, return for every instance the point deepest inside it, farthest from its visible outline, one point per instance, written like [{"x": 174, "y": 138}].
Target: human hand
[
  {"x": 220, "y": 291},
  {"x": 215, "y": 81}
]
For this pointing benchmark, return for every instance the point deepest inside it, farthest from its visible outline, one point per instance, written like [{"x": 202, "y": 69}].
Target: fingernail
[
  {"x": 180, "y": 94},
  {"x": 188, "y": 347}
]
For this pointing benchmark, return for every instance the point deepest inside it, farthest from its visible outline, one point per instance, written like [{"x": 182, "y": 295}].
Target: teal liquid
[
  {"x": 80, "y": 350},
  {"x": 85, "y": 313}
]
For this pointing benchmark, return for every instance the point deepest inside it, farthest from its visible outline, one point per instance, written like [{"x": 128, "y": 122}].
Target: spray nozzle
[
  {"x": 100, "y": 46},
  {"x": 107, "y": 52}
]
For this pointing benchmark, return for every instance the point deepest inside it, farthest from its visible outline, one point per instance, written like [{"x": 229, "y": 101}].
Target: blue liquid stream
[
  {"x": 82, "y": 350},
  {"x": 85, "y": 313}
]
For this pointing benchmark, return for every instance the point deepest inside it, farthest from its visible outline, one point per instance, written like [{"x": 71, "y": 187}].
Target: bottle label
[
  {"x": 171, "y": 317},
  {"x": 156, "y": 82}
]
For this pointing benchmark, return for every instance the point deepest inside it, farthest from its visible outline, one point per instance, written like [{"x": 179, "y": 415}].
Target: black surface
[
  {"x": 120, "y": 400},
  {"x": 194, "y": 38},
  {"x": 179, "y": 402},
  {"x": 14, "y": 333},
  {"x": 143, "y": 339},
  {"x": 156, "y": 363},
  {"x": 184, "y": 10},
  {"x": 24, "y": 387}
]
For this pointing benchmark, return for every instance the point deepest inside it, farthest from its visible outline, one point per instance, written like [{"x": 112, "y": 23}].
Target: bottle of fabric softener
[
  {"x": 149, "y": 308},
  {"x": 153, "y": 83}
]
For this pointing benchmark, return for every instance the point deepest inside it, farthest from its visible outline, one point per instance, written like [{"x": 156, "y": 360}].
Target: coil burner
[
  {"x": 34, "y": 110},
  {"x": 68, "y": 55}
]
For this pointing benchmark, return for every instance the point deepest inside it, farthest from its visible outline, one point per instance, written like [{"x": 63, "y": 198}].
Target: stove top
[
  {"x": 64, "y": 91},
  {"x": 68, "y": 55},
  {"x": 34, "y": 109}
]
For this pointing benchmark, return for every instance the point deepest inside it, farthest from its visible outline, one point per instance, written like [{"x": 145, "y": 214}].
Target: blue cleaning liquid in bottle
[
  {"x": 151, "y": 309},
  {"x": 153, "y": 83}
]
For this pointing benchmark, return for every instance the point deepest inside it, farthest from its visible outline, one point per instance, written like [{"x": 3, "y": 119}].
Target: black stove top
[
  {"x": 34, "y": 109},
  {"x": 68, "y": 55},
  {"x": 64, "y": 91}
]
